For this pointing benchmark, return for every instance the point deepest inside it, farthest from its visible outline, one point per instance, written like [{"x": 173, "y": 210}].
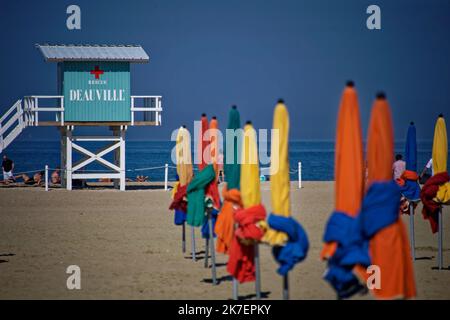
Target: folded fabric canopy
[
  {"x": 436, "y": 190},
  {"x": 349, "y": 189},
  {"x": 286, "y": 235},
  {"x": 408, "y": 182},
  {"x": 389, "y": 247},
  {"x": 428, "y": 196},
  {"x": 202, "y": 143},
  {"x": 196, "y": 196},
  {"x": 279, "y": 173},
  {"x": 440, "y": 146},
  {"x": 179, "y": 199},
  {"x": 185, "y": 174},
  {"x": 249, "y": 230},
  {"x": 231, "y": 195},
  {"x": 212, "y": 153},
  {"x": 183, "y": 156},
  {"x": 411, "y": 148}
]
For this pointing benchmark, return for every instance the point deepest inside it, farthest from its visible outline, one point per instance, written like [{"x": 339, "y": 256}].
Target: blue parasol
[{"x": 411, "y": 148}]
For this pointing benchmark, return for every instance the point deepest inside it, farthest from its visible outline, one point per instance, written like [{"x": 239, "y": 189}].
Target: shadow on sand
[
  {"x": 264, "y": 295},
  {"x": 443, "y": 268},
  {"x": 219, "y": 280}
]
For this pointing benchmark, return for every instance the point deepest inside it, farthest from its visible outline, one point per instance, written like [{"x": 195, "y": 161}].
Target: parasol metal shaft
[
  {"x": 235, "y": 282},
  {"x": 235, "y": 289},
  {"x": 411, "y": 231},
  {"x": 193, "y": 243},
  {"x": 183, "y": 237},
  {"x": 286, "y": 287},
  {"x": 257, "y": 273},
  {"x": 440, "y": 258},
  {"x": 213, "y": 254},
  {"x": 206, "y": 252}
]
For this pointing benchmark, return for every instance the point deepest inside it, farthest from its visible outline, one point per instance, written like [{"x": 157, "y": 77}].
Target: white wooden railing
[
  {"x": 32, "y": 107},
  {"x": 12, "y": 117},
  {"x": 151, "y": 107},
  {"x": 26, "y": 113}
]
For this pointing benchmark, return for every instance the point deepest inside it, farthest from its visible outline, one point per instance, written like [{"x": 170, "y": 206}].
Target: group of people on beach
[
  {"x": 399, "y": 167},
  {"x": 38, "y": 178}
]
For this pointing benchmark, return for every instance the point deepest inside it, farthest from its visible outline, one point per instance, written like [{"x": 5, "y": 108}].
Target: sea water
[{"x": 317, "y": 157}]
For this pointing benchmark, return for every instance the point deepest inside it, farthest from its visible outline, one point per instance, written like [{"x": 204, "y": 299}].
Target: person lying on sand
[
  {"x": 55, "y": 177},
  {"x": 35, "y": 180},
  {"x": 141, "y": 178}
]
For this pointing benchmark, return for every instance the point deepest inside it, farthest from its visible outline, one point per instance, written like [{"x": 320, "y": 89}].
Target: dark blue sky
[{"x": 209, "y": 54}]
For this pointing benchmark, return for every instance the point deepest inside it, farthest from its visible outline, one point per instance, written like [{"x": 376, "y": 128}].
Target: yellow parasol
[
  {"x": 440, "y": 154},
  {"x": 279, "y": 170},
  {"x": 250, "y": 185},
  {"x": 440, "y": 147},
  {"x": 184, "y": 157}
]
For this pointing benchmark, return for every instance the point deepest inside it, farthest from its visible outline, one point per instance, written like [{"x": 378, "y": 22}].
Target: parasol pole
[
  {"x": 183, "y": 238},
  {"x": 235, "y": 282},
  {"x": 206, "y": 251},
  {"x": 193, "y": 243},
  {"x": 235, "y": 289},
  {"x": 211, "y": 243},
  {"x": 440, "y": 258},
  {"x": 411, "y": 231},
  {"x": 257, "y": 273},
  {"x": 285, "y": 287}
]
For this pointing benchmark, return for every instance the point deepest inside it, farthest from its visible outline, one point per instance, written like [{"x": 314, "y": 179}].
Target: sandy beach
[{"x": 128, "y": 248}]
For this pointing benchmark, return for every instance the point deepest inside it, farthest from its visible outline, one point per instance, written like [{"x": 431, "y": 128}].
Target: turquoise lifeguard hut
[{"x": 93, "y": 89}]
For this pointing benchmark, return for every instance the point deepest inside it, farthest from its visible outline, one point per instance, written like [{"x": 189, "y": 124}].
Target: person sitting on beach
[
  {"x": 55, "y": 177},
  {"x": 141, "y": 178},
  {"x": 8, "y": 167},
  {"x": 398, "y": 167},
  {"x": 35, "y": 180}
]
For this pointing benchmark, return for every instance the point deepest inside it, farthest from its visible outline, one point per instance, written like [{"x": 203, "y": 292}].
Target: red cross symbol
[{"x": 97, "y": 72}]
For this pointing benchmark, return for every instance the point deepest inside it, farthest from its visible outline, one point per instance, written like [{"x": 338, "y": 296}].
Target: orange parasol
[
  {"x": 389, "y": 247},
  {"x": 349, "y": 163},
  {"x": 202, "y": 143}
]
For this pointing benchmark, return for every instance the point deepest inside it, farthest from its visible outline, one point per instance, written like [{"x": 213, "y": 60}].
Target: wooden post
[
  {"x": 68, "y": 166},
  {"x": 122, "y": 158},
  {"x": 46, "y": 177},
  {"x": 63, "y": 147},
  {"x": 166, "y": 176},
  {"x": 299, "y": 175},
  {"x": 116, "y": 158}
]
